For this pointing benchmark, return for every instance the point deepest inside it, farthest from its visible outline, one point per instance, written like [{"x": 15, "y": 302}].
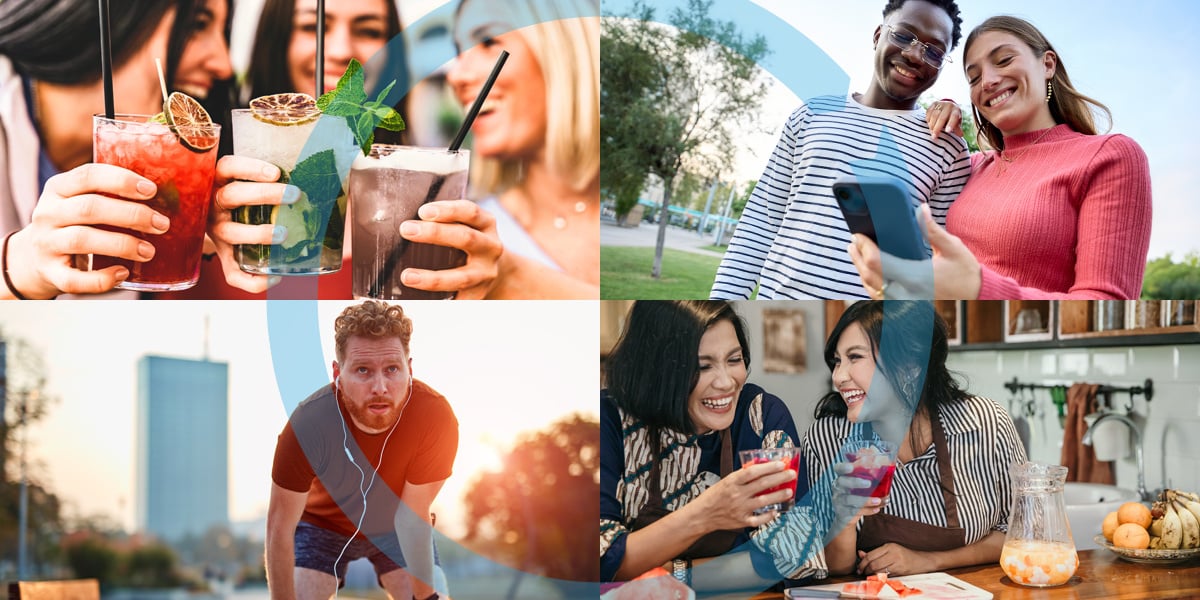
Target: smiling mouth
[
  {"x": 905, "y": 72},
  {"x": 1001, "y": 98},
  {"x": 853, "y": 396},
  {"x": 717, "y": 403}
]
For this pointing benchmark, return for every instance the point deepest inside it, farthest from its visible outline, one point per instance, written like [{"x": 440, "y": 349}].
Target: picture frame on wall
[{"x": 784, "y": 341}]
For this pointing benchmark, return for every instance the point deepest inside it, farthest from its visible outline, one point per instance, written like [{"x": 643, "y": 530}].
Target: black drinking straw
[
  {"x": 106, "y": 60},
  {"x": 393, "y": 257},
  {"x": 320, "y": 72}
]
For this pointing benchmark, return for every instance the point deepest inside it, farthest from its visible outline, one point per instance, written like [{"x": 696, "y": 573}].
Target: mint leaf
[
  {"x": 317, "y": 176},
  {"x": 350, "y": 89},
  {"x": 392, "y": 121},
  {"x": 349, "y": 100},
  {"x": 364, "y": 130}
]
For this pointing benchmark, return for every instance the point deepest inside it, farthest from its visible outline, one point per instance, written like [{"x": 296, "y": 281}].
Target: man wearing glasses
[{"x": 791, "y": 240}]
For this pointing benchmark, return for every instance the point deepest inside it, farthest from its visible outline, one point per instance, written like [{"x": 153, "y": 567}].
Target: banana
[
  {"x": 1156, "y": 527},
  {"x": 1188, "y": 495},
  {"x": 1155, "y": 542},
  {"x": 1192, "y": 506},
  {"x": 1172, "y": 529},
  {"x": 1191, "y": 526}
]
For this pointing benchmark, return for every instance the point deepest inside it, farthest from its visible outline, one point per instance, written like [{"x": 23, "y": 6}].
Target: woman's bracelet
[
  {"x": 682, "y": 570},
  {"x": 4, "y": 267}
]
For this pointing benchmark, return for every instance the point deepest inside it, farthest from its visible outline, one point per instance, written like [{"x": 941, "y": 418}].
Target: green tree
[
  {"x": 152, "y": 566},
  {"x": 531, "y": 514},
  {"x": 970, "y": 129},
  {"x": 698, "y": 82},
  {"x": 1166, "y": 279},
  {"x": 93, "y": 558}
]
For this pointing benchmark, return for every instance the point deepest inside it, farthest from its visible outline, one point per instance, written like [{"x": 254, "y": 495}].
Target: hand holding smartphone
[{"x": 879, "y": 208}]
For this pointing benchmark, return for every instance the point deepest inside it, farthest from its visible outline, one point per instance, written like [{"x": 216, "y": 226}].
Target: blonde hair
[
  {"x": 565, "y": 40},
  {"x": 371, "y": 319}
]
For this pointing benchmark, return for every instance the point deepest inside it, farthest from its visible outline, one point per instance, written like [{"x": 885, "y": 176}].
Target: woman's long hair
[
  {"x": 655, "y": 364},
  {"x": 59, "y": 41},
  {"x": 1067, "y": 105}
]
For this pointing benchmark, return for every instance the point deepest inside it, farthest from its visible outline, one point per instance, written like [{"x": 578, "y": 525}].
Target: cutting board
[{"x": 933, "y": 586}]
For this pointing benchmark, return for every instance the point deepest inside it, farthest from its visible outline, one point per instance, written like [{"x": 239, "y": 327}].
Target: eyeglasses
[{"x": 931, "y": 55}]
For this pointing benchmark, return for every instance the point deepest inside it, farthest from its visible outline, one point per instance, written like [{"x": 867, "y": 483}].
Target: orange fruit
[
  {"x": 1131, "y": 535},
  {"x": 190, "y": 122},
  {"x": 285, "y": 109},
  {"x": 1134, "y": 512},
  {"x": 1109, "y": 527}
]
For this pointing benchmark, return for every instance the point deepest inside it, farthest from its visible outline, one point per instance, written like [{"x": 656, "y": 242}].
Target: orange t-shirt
[{"x": 310, "y": 457}]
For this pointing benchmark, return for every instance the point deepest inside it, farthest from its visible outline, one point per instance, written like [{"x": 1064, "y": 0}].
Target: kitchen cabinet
[{"x": 992, "y": 324}]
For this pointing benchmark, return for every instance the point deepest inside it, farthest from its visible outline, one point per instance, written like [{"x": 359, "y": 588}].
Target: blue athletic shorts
[{"x": 318, "y": 548}]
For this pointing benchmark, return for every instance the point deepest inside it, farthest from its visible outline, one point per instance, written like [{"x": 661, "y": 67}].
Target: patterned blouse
[{"x": 689, "y": 463}]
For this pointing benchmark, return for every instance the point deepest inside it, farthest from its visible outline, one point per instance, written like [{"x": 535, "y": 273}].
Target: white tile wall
[{"x": 1170, "y": 422}]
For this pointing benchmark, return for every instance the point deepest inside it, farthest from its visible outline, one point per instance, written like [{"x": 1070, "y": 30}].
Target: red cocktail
[
  {"x": 874, "y": 461},
  {"x": 790, "y": 457},
  {"x": 184, "y": 178}
]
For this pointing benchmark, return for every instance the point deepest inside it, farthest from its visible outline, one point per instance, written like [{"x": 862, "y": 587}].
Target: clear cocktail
[
  {"x": 316, "y": 222},
  {"x": 387, "y": 188},
  {"x": 184, "y": 177}
]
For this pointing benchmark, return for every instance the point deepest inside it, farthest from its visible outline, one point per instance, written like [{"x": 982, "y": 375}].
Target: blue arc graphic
[{"x": 294, "y": 326}]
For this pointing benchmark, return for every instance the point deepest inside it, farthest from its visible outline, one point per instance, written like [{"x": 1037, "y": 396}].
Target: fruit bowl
[{"x": 1148, "y": 556}]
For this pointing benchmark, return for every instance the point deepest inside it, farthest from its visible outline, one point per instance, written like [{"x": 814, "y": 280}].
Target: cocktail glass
[
  {"x": 387, "y": 188},
  {"x": 184, "y": 178},
  {"x": 791, "y": 457},
  {"x": 316, "y": 222},
  {"x": 874, "y": 461}
]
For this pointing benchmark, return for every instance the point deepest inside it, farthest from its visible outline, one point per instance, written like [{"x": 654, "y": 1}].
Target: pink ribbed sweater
[{"x": 1069, "y": 217}]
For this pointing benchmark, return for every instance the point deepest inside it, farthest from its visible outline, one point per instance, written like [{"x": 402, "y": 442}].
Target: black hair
[
  {"x": 58, "y": 41},
  {"x": 655, "y": 364},
  {"x": 895, "y": 354},
  {"x": 268, "y": 74},
  {"x": 951, "y": 8}
]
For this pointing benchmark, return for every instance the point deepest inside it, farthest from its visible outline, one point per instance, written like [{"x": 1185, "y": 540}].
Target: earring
[{"x": 1049, "y": 90}]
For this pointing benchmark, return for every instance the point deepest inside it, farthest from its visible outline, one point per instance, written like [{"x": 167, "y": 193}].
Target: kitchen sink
[{"x": 1087, "y": 505}]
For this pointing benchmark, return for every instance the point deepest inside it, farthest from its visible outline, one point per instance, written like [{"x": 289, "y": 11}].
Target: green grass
[{"x": 625, "y": 274}]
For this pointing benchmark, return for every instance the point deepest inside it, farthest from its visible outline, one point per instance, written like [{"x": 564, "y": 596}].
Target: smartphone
[{"x": 879, "y": 208}]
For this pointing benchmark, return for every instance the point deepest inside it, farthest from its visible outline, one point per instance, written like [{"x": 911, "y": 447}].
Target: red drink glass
[
  {"x": 873, "y": 461},
  {"x": 790, "y": 457},
  {"x": 184, "y": 178}
]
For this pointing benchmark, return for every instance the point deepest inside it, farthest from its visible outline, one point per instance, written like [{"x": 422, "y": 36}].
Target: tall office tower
[{"x": 182, "y": 446}]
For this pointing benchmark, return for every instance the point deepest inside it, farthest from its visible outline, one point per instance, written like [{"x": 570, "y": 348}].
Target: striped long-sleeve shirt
[
  {"x": 791, "y": 240},
  {"x": 983, "y": 444}
]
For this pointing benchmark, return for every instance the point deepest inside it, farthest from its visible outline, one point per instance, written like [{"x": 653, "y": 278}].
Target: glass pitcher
[{"x": 1038, "y": 550}]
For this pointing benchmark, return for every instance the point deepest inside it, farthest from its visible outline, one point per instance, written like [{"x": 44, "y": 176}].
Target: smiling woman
[
  {"x": 676, "y": 410},
  {"x": 950, "y": 495}
]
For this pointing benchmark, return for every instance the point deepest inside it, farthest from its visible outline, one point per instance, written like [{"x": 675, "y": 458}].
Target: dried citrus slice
[
  {"x": 285, "y": 109},
  {"x": 190, "y": 122}
]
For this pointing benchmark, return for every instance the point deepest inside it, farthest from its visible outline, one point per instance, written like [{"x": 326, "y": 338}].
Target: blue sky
[{"x": 1131, "y": 57}]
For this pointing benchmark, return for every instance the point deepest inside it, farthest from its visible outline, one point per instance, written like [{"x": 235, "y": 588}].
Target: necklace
[
  {"x": 1009, "y": 158},
  {"x": 560, "y": 221}
]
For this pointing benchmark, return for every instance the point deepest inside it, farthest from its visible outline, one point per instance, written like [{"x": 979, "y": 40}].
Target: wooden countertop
[{"x": 1101, "y": 574}]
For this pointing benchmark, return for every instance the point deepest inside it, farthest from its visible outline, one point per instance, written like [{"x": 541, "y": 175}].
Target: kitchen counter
[{"x": 1101, "y": 574}]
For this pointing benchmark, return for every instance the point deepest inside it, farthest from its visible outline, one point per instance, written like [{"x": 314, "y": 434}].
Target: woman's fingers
[
  {"x": 108, "y": 179},
  {"x": 252, "y": 193},
  {"x": 865, "y": 256},
  {"x": 73, "y": 281},
  {"x": 95, "y": 209},
  {"x": 247, "y": 169},
  {"x": 230, "y": 232},
  {"x": 90, "y": 240}
]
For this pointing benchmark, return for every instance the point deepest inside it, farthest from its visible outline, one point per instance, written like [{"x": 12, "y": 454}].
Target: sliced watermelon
[
  {"x": 910, "y": 592},
  {"x": 897, "y": 585}
]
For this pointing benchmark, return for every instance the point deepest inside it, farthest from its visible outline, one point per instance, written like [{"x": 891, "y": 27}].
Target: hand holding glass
[
  {"x": 873, "y": 461},
  {"x": 790, "y": 457}
]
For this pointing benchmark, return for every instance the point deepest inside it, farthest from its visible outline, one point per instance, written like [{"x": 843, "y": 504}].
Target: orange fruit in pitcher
[
  {"x": 1131, "y": 535},
  {"x": 1109, "y": 527},
  {"x": 190, "y": 122},
  {"x": 1134, "y": 512}
]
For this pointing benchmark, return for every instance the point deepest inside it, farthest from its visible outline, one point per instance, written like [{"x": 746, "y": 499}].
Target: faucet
[{"x": 1137, "y": 447}]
